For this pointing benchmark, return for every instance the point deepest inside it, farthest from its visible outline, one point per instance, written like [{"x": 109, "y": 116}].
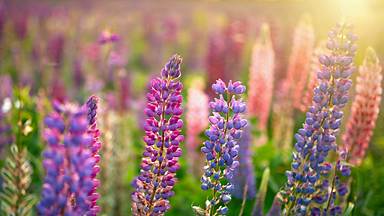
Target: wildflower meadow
[{"x": 204, "y": 108}]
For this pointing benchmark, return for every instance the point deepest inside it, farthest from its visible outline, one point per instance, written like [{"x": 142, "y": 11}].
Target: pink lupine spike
[
  {"x": 197, "y": 112},
  {"x": 365, "y": 108},
  {"x": 300, "y": 60},
  {"x": 261, "y": 77}
]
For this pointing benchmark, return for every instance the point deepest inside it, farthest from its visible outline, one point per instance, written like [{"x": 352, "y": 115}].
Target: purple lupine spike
[
  {"x": 163, "y": 136},
  {"x": 310, "y": 166},
  {"x": 244, "y": 175},
  {"x": 68, "y": 163},
  {"x": 222, "y": 148},
  {"x": 95, "y": 146}
]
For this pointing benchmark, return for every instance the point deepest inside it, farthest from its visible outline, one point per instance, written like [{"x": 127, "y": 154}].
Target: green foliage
[{"x": 16, "y": 173}]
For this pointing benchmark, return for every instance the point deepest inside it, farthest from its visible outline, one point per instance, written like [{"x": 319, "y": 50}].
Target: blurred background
[{"x": 60, "y": 50}]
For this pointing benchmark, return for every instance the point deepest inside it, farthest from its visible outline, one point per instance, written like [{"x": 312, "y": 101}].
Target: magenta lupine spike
[
  {"x": 163, "y": 136},
  {"x": 68, "y": 163},
  {"x": 300, "y": 60},
  {"x": 95, "y": 146},
  {"x": 261, "y": 75},
  {"x": 308, "y": 185},
  {"x": 365, "y": 109}
]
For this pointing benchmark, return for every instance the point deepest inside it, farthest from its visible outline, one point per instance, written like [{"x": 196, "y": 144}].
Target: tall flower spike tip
[
  {"x": 221, "y": 148},
  {"x": 95, "y": 146},
  {"x": 317, "y": 138},
  {"x": 68, "y": 163},
  {"x": 261, "y": 75},
  {"x": 163, "y": 137},
  {"x": 365, "y": 108},
  {"x": 197, "y": 112},
  {"x": 300, "y": 60}
]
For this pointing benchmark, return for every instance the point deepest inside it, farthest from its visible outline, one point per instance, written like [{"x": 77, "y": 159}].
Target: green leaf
[
  {"x": 259, "y": 203},
  {"x": 349, "y": 209}
]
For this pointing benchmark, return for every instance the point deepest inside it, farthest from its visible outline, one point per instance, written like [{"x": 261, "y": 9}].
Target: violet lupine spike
[
  {"x": 95, "y": 146},
  {"x": 163, "y": 125},
  {"x": 244, "y": 175},
  {"x": 310, "y": 166},
  {"x": 221, "y": 150},
  {"x": 365, "y": 109},
  {"x": 68, "y": 163}
]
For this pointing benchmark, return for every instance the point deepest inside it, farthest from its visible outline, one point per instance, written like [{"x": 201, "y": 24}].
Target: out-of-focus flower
[
  {"x": 5, "y": 105},
  {"x": 95, "y": 146},
  {"x": 221, "y": 148},
  {"x": 55, "y": 50},
  {"x": 197, "y": 113},
  {"x": 300, "y": 61},
  {"x": 197, "y": 121},
  {"x": 124, "y": 90},
  {"x": 261, "y": 78},
  {"x": 224, "y": 53},
  {"x": 244, "y": 176},
  {"x": 78, "y": 73},
  {"x": 108, "y": 37},
  {"x": 163, "y": 136},
  {"x": 68, "y": 162},
  {"x": 365, "y": 109},
  {"x": 20, "y": 23},
  {"x": 310, "y": 165}
]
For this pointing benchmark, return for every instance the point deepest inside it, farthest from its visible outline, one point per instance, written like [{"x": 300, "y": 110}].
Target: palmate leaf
[{"x": 16, "y": 174}]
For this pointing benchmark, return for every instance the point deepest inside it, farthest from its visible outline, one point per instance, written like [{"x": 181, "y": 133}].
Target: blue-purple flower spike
[
  {"x": 308, "y": 182},
  {"x": 162, "y": 127},
  {"x": 221, "y": 148},
  {"x": 68, "y": 163},
  {"x": 244, "y": 176}
]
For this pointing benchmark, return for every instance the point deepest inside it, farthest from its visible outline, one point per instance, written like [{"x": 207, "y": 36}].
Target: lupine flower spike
[
  {"x": 365, "y": 109},
  {"x": 244, "y": 176},
  {"x": 68, "y": 163},
  {"x": 300, "y": 60},
  {"x": 197, "y": 121},
  {"x": 221, "y": 148},
  {"x": 261, "y": 78},
  {"x": 163, "y": 136},
  {"x": 307, "y": 189},
  {"x": 94, "y": 147}
]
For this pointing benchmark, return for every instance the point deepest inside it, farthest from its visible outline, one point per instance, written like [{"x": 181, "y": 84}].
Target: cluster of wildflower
[
  {"x": 68, "y": 163},
  {"x": 221, "y": 150},
  {"x": 94, "y": 147},
  {"x": 261, "y": 78},
  {"x": 244, "y": 177},
  {"x": 163, "y": 136},
  {"x": 365, "y": 109},
  {"x": 317, "y": 138}
]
